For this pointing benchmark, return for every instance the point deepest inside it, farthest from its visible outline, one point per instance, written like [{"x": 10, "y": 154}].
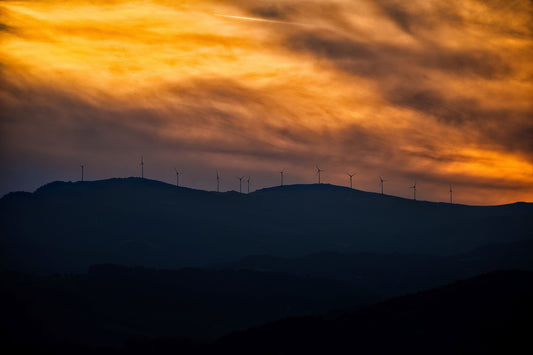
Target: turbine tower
[
  {"x": 414, "y": 190},
  {"x": 177, "y": 177},
  {"x": 218, "y": 182},
  {"x": 82, "y": 166},
  {"x": 318, "y": 171},
  {"x": 351, "y": 176},
  {"x": 381, "y": 181},
  {"x": 281, "y": 177},
  {"x": 142, "y": 167},
  {"x": 451, "y": 195},
  {"x": 240, "y": 183},
  {"x": 248, "y": 181}
]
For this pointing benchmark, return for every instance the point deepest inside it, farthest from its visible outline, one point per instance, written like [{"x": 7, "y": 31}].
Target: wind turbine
[
  {"x": 82, "y": 166},
  {"x": 381, "y": 181},
  {"x": 248, "y": 181},
  {"x": 414, "y": 190},
  {"x": 318, "y": 171},
  {"x": 218, "y": 182},
  {"x": 350, "y": 175},
  {"x": 177, "y": 177},
  {"x": 281, "y": 177},
  {"x": 142, "y": 167},
  {"x": 240, "y": 183},
  {"x": 451, "y": 195}
]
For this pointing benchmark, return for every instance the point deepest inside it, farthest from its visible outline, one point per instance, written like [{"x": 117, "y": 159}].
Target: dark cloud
[
  {"x": 332, "y": 46},
  {"x": 501, "y": 17},
  {"x": 475, "y": 62},
  {"x": 6, "y": 28},
  {"x": 309, "y": 12},
  {"x": 364, "y": 142},
  {"x": 63, "y": 120},
  {"x": 404, "y": 17},
  {"x": 412, "y": 18},
  {"x": 400, "y": 72},
  {"x": 376, "y": 60},
  {"x": 511, "y": 129},
  {"x": 274, "y": 12},
  {"x": 435, "y": 104}
]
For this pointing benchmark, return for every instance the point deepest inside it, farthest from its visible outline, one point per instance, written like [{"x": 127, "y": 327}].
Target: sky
[{"x": 425, "y": 91}]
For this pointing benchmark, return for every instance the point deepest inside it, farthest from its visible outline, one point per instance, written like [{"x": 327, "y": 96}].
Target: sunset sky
[{"x": 437, "y": 92}]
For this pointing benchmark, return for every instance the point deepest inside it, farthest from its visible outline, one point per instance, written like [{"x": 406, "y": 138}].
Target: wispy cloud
[
  {"x": 259, "y": 19},
  {"x": 426, "y": 90}
]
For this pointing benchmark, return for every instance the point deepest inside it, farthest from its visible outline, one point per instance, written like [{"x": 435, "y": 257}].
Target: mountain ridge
[
  {"x": 146, "y": 222},
  {"x": 54, "y": 185}
]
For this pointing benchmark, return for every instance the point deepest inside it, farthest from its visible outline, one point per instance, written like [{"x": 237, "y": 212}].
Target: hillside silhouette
[
  {"x": 175, "y": 270},
  {"x": 394, "y": 274},
  {"x": 66, "y": 227},
  {"x": 489, "y": 314},
  {"x": 111, "y": 304}
]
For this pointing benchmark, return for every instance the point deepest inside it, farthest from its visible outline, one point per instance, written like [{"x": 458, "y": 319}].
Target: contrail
[{"x": 257, "y": 19}]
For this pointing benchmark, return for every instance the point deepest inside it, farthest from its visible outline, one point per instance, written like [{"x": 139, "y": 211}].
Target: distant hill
[
  {"x": 65, "y": 227},
  {"x": 395, "y": 274}
]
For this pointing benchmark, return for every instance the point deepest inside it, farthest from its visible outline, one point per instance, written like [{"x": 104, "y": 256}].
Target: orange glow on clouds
[{"x": 426, "y": 91}]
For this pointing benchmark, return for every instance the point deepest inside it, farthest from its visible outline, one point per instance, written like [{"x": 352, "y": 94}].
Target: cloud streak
[{"x": 258, "y": 19}]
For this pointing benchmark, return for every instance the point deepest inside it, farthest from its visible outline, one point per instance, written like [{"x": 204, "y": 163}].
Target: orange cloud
[{"x": 440, "y": 93}]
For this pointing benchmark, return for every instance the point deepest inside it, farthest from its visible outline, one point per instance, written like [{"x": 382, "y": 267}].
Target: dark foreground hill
[
  {"x": 112, "y": 303},
  {"x": 489, "y": 314},
  {"x": 65, "y": 227}
]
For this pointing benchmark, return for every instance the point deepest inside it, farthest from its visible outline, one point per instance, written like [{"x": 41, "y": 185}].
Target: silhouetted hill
[
  {"x": 395, "y": 274},
  {"x": 69, "y": 226},
  {"x": 112, "y": 303},
  {"x": 487, "y": 314}
]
